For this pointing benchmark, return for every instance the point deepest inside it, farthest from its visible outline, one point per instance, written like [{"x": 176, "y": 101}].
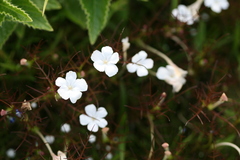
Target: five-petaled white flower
[
  {"x": 187, "y": 14},
  {"x": 140, "y": 64},
  {"x": 105, "y": 61},
  {"x": 216, "y": 5},
  {"x": 94, "y": 118},
  {"x": 71, "y": 87},
  {"x": 173, "y": 75}
]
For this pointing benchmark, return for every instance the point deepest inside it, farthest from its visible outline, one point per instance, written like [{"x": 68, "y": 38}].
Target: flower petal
[
  {"x": 101, "y": 123},
  {"x": 114, "y": 58},
  {"x": 101, "y": 112},
  {"x": 148, "y": 63},
  {"x": 100, "y": 66},
  {"x": 75, "y": 95},
  {"x": 111, "y": 70},
  {"x": 107, "y": 50},
  {"x": 131, "y": 67},
  {"x": 60, "y": 81},
  {"x": 142, "y": 55},
  {"x": 163, "y": 73},
  {"x": 84, "y": 119},
  {"x": 96, "y": 56},
  {"x": 136, "y": 58},
  {"x": 81, "y": 84},
  {"x": 91, "y": 110},
  {"x": 71, "y": 77},
  {"x": 64, "y": 92},
  {"x": 142, "y": 71},
  {"x": 92, "y": 126}
]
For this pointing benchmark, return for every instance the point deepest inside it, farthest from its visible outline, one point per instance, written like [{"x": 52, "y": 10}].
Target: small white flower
[
  {"x": 50, "y": 139},
  {"x": 92, "y": 138},
  {"x": 11, "y": 153},
  {"x": 187, "y": 14},
  {"x": 34, "y": 104},
  {"x": 94, "y": 118},
  {"x": 173, "y": 75},
  {"x": 125, "y": 44},
  {"x": 60, "y": 156},
  {"x": 216, "y": 5},
  {"x": 109, "y": 156},
  {"x": 105, "y": 61},
  {"x": 71, "y": 87},
  {"x": 140, "y": 64},
  {"x": 65, "y": 128}
]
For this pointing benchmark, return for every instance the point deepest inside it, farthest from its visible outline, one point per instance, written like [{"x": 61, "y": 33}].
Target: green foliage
[
  {"x": 6, "y": 29},
  {"x": 14, "y": 12},
  {"x": 97, "y": 14}
]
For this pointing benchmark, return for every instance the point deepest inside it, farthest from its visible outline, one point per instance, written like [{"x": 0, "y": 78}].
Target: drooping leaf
[
  {"x": 51, "y": 4},
  {"x": 97, "y": 14},
  {"x": 75, "y": 13},
  {"x": 6, "y": 30},
  {"x": 39, "y": 21},
  {"x": 11, "y": 10}
]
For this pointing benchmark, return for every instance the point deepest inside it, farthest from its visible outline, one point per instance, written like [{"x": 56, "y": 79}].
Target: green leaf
[
  {"x": 39, "y": 21},
  {"x": 97, "y": 14},
  {"x": 75, "y": 13},
  {"x": 16, "y": 14},
  {"x": 2, "y": 18},
  {"x": 6, "y": 30},
  {"x": 51, "y": 4}
]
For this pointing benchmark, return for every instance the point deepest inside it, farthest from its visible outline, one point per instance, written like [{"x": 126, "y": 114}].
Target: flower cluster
[{"x": 189, "y": 14}]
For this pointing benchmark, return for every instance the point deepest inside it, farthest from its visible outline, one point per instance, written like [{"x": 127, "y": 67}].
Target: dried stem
[{"x": 228, "y": 144}]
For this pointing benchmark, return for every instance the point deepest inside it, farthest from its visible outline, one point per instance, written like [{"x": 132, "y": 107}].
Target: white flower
[
  {"x": 105, "y": 61},
  {"x": 65, "y": 128},
  {"x": 11, "y": 153},
  {"x": 125, "y": 44},
  {"x": 216, "y": 5},
  {"x": 187, "y": 14},
  {"x": 140, "y": 64},
  {"x": 94, "y": 118},
  {"x": 60, "y": 156},
  {"x": 173, "y": 75},
  {"x": 92, "y": 138},
  {"x": 50, "y": 139},
  {"x": 109, "y": 156},
  {"x": 71, "y": 87},
  {"x": 34, "y": 104}
]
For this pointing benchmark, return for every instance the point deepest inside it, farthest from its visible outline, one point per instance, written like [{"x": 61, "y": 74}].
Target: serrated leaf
[
  {"x": 75, "y": 13},
  {"x": 16, "y": 14},
  {"x": 39, "y": 21},
  {"x": 51, "y": 5},
  {"x": 97, "y": 14},
  {"x": 2, "y": 18},
  {"x": 6, "y": 30}
]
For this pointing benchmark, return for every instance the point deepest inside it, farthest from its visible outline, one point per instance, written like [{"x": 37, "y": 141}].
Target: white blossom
[
  {"x": 105, "y": 61},
  {"x": 71, "y": 87},
  {"x": 65, "y": 128},
  {"x": 92, "y": 138},
  {"x": 173, "y": 75},
  {"x": 125, "y": 44},
  {"x": 94, "y": 118},
  {"x": 140, "y": 64},
  {"x": 50, "y": 138},
  {"x": 60, "y": 156},
  {"x": 187, "y": 14},
  {"x": 217, "y": 5},
  {"x": 11, "y": 153}
]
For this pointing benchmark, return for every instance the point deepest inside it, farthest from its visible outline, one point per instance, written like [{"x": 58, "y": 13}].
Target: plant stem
[
  {"x": 150, "y": 119},
  {"x": 228, "y": 144}
]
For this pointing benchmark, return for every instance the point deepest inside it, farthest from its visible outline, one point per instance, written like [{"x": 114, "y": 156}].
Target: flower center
[
  {"x": 105, "y": 62},
  {"x": 70, "y": 87}
]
